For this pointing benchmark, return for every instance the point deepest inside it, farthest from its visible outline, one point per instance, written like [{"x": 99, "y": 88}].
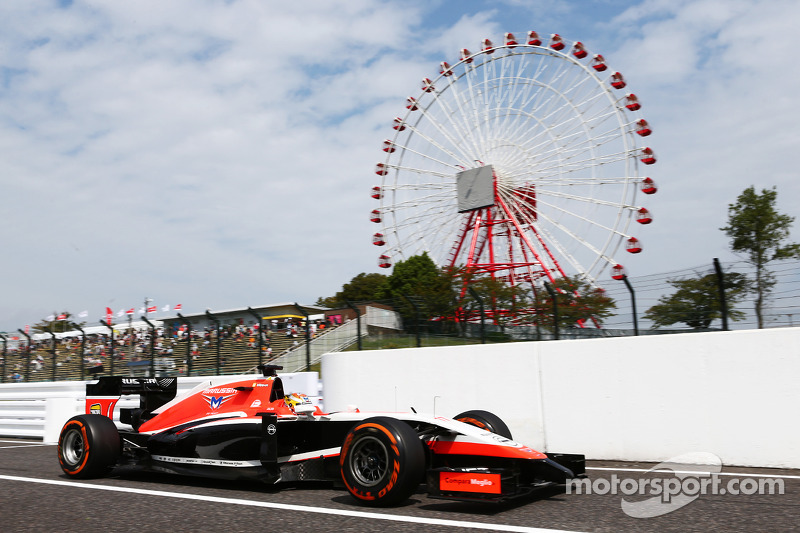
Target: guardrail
[
  {"x": 39, "y": 410},
  {"x": 298, "y": 359},
  {"x": 337, "y": 339}
]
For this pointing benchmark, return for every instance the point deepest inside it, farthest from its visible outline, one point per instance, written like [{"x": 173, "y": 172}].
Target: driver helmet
[{"x": 297, "y": 399}]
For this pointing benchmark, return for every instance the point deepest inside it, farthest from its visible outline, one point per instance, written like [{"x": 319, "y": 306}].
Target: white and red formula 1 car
[{"x": 251, "y": 429}]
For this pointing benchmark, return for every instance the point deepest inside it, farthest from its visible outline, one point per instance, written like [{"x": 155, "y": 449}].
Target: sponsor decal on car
[
  {"x": 206, "y": 462},
  {"x": 216, "y": 401},
  {"x": 470, "y": 482},
  {"x": 96, "y": 409},
  {"x": 220, "y": 390}
]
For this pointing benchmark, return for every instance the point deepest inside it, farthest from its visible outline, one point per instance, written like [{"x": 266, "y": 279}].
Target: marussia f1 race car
[{"x": 252, "y": 429}]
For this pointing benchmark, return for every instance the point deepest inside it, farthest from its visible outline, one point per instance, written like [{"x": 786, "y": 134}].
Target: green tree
[
  {"x": 696, "y": 301},
  {"x": 57, "y": 323},
  {"x": 577, "y": 301},
  {"x": 758, "y": 231},
  {"x": 420, "y": 280},
  {"x": 361, "y": 288}
]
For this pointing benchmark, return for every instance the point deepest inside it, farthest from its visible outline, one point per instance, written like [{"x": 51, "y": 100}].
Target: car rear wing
[{"x": 102, "y": 397}]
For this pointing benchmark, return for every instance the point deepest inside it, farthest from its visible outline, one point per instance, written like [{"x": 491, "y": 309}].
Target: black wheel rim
[{"x": 369, "y": 461}]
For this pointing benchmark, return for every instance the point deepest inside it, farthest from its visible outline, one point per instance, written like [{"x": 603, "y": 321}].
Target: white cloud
[{"x": 220, "y": 154}]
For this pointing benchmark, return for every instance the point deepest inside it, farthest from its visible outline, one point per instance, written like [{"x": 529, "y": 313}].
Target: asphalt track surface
[{"x": 36, "y": 496}]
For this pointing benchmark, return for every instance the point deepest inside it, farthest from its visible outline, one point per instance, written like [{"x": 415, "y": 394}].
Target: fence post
[
  {"x": 28, "y": 358},
  {"x": 111, "y": 356},
  {"x": 53, "y": 352},
  {"x": 723, "y": 303},
  {"x": 633, "y": 304},
  {"x": 188, "y": 343},
  {"x": 5, "y": 354},
  {"x": 216, "y": 324},
  {"x": 358, "y": 322},
  {"x": 475, "y": 295},
  {"x": 308, "y": 337},
  {"x": 83, "y": 348},
  {"x": 152, "y": 346},
  {"x": 552, "y": 294},
  {"x": 416, "y": 316}
]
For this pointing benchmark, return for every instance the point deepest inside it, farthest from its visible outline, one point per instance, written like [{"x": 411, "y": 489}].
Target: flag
[
  {"x": 129, "y": 311},
  {"x": 83, "y": 314},
  {"x": 152, "y": 309},
  {"x": 109, "y": 314},
  {"x": 27, "y": 328},
  {"x": 50, "y": 318},
  {"x": 178, "y": 307},
  {"x": 121, "y": 312},
  {"x": 141, "y": 310},
  {"x": 165, "y": 309},
  {"x": 62, "y": 316}
]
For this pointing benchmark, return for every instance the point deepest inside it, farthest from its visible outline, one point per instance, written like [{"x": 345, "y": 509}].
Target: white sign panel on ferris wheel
[{"x": 475, "y": 188}]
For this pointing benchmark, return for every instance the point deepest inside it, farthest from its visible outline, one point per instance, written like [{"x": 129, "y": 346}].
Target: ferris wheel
[{"x": 520, "y": 161}]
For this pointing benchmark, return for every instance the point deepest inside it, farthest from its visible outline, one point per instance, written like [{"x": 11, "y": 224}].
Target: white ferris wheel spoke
[{"x": 430, "y": 158}]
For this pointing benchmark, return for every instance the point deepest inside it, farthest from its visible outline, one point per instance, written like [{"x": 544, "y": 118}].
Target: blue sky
[{"x": 220, "y": 154}]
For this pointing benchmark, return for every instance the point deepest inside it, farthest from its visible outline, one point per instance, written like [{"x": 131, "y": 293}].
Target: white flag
[
  {"x": 83, "y": 314},
  {"x": 165, "y": 309}
]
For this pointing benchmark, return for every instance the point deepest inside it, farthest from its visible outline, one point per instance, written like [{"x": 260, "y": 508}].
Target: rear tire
[
  {"x": 89, "y": 446},
  {"x": 382, "y": 461},
  {"x": 485, "y": 420}
]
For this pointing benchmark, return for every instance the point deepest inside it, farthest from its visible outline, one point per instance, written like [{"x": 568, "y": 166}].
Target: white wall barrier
[
  {"x": 39, "y": 410},
  {"x": 647, "y": 398}
]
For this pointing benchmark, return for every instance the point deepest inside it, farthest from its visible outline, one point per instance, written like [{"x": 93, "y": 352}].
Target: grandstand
[{"x": 180, "y": 350}]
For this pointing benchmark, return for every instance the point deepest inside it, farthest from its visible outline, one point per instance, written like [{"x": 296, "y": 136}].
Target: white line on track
[
  {"x": 23, "y": 444},
  {"x": 289, "y": 507},
  {"x": 696, "y": 472}
]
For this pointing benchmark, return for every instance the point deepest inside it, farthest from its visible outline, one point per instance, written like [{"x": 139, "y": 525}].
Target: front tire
[
  {"x": 485, "y": 420},
  {"x": 382, "y": 461},
  {"x": 89, "y": 446}
]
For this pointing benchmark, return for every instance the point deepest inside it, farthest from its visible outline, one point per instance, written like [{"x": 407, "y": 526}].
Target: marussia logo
[{"x": 216, "y": 401}]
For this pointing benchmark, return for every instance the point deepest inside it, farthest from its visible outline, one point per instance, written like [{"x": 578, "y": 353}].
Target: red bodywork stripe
[{"x": 488, "y": 450}]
